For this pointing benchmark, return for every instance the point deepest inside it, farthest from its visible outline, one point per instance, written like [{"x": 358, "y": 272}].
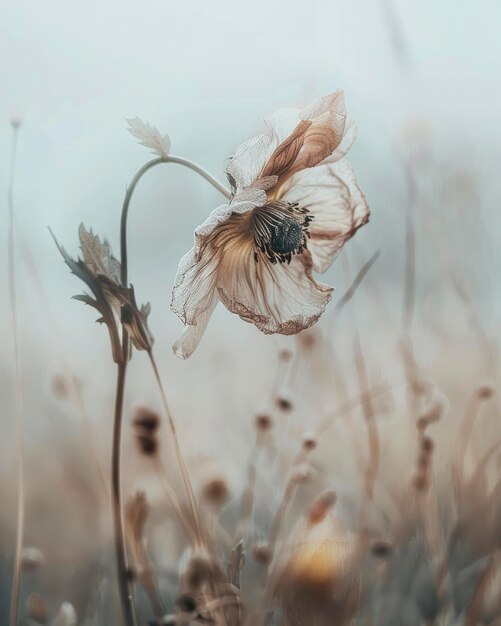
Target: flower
[{"x": 294, "y": 203}]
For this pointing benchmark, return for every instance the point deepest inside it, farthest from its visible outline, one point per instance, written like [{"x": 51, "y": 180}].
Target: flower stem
[
  {"x": 124, "y": 580},
  {"x": 16, "y": 577},
  {"x": 130, "y": 191}
]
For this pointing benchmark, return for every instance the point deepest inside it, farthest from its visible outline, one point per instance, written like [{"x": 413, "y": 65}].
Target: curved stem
[
  {"x": 124, "y": 580},
  {"x": 16, "y": 577},
  {"x": 130, "y": 191}
]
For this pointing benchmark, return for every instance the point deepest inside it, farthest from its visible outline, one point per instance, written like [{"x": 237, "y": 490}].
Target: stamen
[{"x": 280, "y": 230}]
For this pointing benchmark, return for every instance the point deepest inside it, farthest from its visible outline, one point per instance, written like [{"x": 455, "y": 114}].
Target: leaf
[
  {"x": 149, "y": 136},
  {"x": 97, "y": 255},
  {"x": 103, "y": 302}
]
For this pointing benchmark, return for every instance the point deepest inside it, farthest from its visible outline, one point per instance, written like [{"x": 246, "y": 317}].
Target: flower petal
[
  {"x": 247, "y": 200},
  {"x": 293, "y": 140},
  {"x": 247, "y": 163},
  {"x": 192, "y": 334},
  {"x": 326, "y": 132},
  {"x": 276, "y": 298},
  {"x": 194, "y": 287},
  {"x": 249, "y": 158},
  {"x": 336, "y": 203},
  {"x": 194, "y": 296}
]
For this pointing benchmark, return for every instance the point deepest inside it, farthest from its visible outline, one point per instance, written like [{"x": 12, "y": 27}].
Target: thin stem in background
[
  {"x": 16, "y": 581},
  {"x": 350, "y": 292},
  {"x": 370, "y": 421},
  {"x": 179, "y": 455}
]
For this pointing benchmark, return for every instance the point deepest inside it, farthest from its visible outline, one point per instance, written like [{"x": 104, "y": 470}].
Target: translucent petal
[{"x": 336, "y": 203}]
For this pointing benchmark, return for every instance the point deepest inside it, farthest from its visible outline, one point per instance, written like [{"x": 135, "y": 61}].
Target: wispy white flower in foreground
[{"x": 295, "y": 202}]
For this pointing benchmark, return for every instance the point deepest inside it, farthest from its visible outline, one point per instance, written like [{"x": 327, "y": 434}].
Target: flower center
[{"x": 280, "y": 230}]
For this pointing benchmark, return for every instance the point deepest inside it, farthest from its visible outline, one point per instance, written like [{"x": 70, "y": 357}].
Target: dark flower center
[{"x": 280, "y": 230}]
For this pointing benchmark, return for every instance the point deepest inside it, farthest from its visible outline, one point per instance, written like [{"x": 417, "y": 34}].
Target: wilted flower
[
  {"x": 294, "y": 203},
  {"x": 116, "y": 303}
]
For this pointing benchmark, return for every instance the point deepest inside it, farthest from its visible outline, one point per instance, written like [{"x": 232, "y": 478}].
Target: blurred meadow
[{"x": 391, "y": 402}]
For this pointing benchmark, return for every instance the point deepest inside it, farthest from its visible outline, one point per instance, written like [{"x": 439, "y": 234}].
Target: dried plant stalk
[
  {"x": 124, "y": 581},
  {"x": 16, "y": 578}
]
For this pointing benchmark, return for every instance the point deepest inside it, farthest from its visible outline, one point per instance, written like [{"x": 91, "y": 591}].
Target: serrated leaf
[
  {"x": 97, "y": 255},
  {"x": 149, "y": 136},
  {"x": 83, "y": 297}
]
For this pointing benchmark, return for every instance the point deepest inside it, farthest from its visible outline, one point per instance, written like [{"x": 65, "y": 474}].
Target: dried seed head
[
  {"x": 264, "y": 422},
  {"x": 321, "y": 507},
  {"x": 186, "y": 603},
  {"x": 148, "y": 445},
  {"x": 427, "y": 445},
  {"x": 16, "y": 120},
  {"x": 308, "y": 339},
  {"x": 32, "y": 558},
  {"x": 262, "y": 553},
  {"x": 485, "y": 391},
  {"x": 309, "y": 440},
  {"x": 284, "y": 402},
  {"x": 146, "y": 419},
  {"x": 216, "y": 492},
  {"x": 66, "y": 616},
  {"x": 301, "y": 473},
  {"x": 201, "y": 570},
  {"x": 146, "y": 423},
  {"x": 381, "y": 549},
  {"x": 285, "y": 355},
  {"x": 420, "y": 481},
  {"x": 37, "y": 608}
]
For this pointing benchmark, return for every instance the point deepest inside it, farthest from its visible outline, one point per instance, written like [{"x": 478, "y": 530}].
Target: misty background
[{"x": 418, "y": 77}]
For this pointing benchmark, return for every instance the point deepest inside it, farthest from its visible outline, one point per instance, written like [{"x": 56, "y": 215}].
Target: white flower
[{"x": 295, "y": 202}]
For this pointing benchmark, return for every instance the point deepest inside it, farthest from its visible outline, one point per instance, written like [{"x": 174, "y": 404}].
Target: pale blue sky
[{"x": 207, "y": 72}]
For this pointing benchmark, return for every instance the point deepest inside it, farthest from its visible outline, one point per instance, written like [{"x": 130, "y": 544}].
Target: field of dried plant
[{"x": 346, "y": 475}]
